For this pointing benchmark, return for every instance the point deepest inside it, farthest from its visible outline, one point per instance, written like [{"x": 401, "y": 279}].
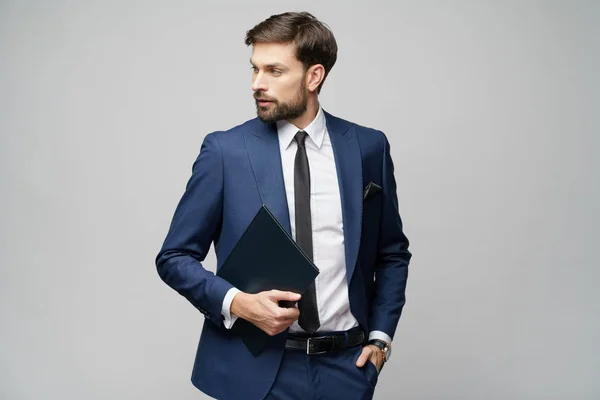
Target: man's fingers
[
  {"x": 281, "y": 295},
  {"x": 288, "y": 313}
]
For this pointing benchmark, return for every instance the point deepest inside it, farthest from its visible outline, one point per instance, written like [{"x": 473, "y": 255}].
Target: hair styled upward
[{"x": 314, "y": 41}]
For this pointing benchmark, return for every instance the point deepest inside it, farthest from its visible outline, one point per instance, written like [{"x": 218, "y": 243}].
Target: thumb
[
  {"x": 281, "y": 295},
  {"x": 364, "y": 356}
]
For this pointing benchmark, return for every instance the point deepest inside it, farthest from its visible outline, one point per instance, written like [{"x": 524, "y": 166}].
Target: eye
[
  {"x": 275, "y": 72},
  {"x": 254, "y": 69}
]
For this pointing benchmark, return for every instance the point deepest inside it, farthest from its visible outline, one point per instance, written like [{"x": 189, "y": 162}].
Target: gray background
[{"x": 492, "y": 112}]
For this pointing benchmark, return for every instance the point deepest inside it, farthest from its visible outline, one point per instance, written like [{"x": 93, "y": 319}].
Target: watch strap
[{"x": 381, "y": 345}]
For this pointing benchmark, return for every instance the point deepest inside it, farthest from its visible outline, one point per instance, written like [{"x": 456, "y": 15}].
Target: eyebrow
[{"x": 273, "y": 65}]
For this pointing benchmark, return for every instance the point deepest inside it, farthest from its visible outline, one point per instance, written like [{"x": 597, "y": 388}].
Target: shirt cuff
[
  {"x": 381, "y": 336},
  {"x": 228, "y": 318}
]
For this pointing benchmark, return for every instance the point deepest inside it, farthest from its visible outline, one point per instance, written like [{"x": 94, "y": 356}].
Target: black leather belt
[{"x": 321, "y": 344}]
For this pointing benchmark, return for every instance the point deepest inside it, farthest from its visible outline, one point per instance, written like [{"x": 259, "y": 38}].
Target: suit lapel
[
  {"x": 262, "y": 143},
  {"x": 348, "y": 162}
]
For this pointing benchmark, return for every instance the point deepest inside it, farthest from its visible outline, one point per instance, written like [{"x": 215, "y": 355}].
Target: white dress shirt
[{"x": 327, "y": 227}]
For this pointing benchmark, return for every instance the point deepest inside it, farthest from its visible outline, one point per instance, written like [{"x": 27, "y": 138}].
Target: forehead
[{"x": 274, "y": 53}]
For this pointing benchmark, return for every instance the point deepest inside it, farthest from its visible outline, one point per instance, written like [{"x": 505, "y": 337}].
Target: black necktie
[{"x": 309, "y": 314}]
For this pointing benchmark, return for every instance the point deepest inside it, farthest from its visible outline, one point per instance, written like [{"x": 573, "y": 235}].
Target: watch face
[
  {"x": 387, "y": 349},
  {"x": 388, "y": 352}
]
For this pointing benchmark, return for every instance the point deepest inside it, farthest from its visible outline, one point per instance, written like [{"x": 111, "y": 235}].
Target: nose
[{"x": 258, "y": 82}]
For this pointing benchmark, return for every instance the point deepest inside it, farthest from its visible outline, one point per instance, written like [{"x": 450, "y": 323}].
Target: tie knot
[{"x": 300, "y": 138}]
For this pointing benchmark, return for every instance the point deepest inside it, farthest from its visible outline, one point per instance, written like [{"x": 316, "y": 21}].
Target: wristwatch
[{"x": 384, "y": 346}]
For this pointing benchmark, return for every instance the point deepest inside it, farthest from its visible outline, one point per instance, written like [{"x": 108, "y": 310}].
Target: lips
[{"x": 259, "y": 97}]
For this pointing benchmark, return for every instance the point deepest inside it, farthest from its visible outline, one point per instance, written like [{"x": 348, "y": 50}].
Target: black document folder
[{"x": 266, "y": 257}]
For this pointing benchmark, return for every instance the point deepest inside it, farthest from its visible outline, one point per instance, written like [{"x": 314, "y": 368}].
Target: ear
[{"x": 314, "y": 76}]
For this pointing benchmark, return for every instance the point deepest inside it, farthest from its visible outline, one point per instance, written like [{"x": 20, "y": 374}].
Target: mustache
[{"x": 258, "y": 96}]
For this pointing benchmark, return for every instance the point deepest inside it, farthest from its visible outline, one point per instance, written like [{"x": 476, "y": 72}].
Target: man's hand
[
  {"x": 370, "y": 353},
  {"x": 262, "y": 309}
]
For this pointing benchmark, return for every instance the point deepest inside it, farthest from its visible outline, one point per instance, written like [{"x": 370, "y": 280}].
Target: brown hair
[{"x": 314, "y": 41}]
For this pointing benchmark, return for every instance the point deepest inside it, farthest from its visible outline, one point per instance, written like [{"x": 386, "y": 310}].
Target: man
[{"x": 330, "y": 184}]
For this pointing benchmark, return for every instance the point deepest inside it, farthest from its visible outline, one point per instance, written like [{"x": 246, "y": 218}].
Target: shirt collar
[{"x": 315, "y": 130}]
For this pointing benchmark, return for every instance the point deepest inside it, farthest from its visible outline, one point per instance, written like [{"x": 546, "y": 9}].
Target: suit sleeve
[
  {"x": 195, "y": 225},
  {"x": 393, "y": 257}
]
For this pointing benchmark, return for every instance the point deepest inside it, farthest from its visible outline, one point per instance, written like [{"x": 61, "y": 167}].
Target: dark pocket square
[{"x": 371, "y": 190}]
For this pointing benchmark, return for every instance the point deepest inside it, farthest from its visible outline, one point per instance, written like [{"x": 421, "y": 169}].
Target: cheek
[{"x": 287, "y": 90}]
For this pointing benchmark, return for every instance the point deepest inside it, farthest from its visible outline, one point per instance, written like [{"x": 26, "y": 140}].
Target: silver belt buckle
[{"x": 308, "y": 343}]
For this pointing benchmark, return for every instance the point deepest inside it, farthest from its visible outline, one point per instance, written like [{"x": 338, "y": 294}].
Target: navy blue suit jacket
[{"x": 235, "y": 173}]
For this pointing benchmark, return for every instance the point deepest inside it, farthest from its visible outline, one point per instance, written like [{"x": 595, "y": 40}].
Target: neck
[{"x": 312, "y": 108}]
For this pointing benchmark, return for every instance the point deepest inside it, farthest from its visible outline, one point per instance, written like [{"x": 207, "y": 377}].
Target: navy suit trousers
[{"x": 331, "y": 376}]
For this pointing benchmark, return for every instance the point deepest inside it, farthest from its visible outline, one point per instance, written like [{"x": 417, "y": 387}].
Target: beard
[{"x": 279, "y": 110}]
